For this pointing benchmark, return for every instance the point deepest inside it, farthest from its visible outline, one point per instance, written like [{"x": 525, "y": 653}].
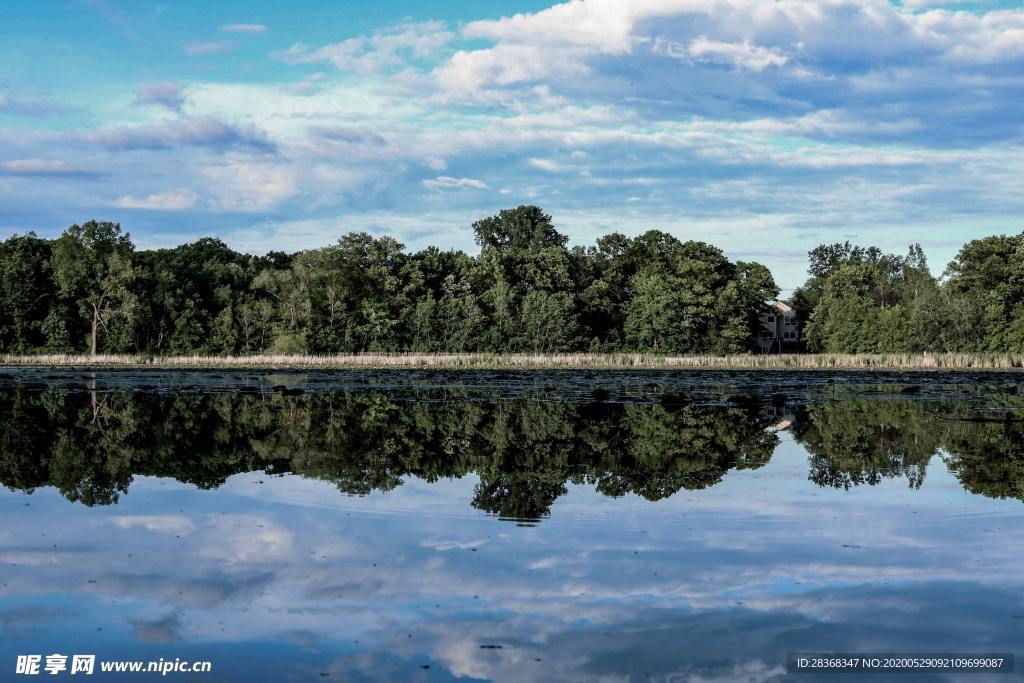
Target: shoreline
[{"x": 569, "y": 361}]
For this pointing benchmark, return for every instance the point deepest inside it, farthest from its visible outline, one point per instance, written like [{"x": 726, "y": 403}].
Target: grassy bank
[{"x": 611, "y": 361}]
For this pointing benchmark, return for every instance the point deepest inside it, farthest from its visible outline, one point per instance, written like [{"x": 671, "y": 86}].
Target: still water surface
[{"x": 512, "y": 527}]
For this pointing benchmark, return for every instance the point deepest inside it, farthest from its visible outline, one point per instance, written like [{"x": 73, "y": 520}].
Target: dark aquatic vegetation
[{"x": 352, "y": 525}]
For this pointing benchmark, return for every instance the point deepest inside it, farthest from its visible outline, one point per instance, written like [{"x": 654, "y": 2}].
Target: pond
[{"x": 554, "y": 526}]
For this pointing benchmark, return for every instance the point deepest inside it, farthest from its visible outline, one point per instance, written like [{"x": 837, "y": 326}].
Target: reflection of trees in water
[
  {"x": 689, "y": 448},
  {"x": 853, "y": 442},
  {"x": 524, "y": 452},
  {"x": 862, "y": 441},
  {"x": 988, "y": 457}
]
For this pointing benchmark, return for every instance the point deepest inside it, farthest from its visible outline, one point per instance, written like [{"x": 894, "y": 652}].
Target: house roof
[{"x": 783, "y": 307}]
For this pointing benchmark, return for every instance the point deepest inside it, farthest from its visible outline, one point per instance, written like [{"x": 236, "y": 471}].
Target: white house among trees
[{"x": 779, "y": 330}]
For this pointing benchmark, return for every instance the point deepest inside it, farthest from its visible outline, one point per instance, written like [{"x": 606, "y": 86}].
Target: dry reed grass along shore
[{"x": 537, "y": 361}]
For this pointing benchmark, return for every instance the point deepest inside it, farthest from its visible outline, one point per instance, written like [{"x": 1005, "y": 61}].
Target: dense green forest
[
  {"x": 526, "y": 291},
  {"x": 861, "y": 300}
]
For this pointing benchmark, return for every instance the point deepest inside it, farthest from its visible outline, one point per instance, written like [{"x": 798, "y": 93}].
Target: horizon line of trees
[{"x": 526, "y": 291}]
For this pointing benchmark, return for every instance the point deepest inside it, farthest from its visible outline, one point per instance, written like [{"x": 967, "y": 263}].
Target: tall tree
[
  {"x": 657, "y": 317},
  {"x": 92, "y": 265},
  {"x": 988, "y": 276},
  {"x": 524, "y": 228},
  {"x": 26, "y": 292}
]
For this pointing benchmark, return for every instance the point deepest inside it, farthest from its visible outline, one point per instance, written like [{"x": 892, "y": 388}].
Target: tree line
[
  {"x": 525, "y": 291},
  {"x": 862, "y": 300}
]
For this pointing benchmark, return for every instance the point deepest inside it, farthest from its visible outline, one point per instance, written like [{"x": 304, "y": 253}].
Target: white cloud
[
  {"x": 284, "y": 113},
  {"x": 445, "y": 227},
  {"x": 168, "y": 524},
  {"x": 605, "y": 25},
  {"x": 39, "y": 167},
  {"x": 172, "y": 200},
  {"x": 741, "y": 55},
  {"x": 244, "y": 28},
  {"x": 376, "y": 53},
  {"x": 656, "y": 53},
  {"x": 442, "y": 545},
  {"x": 448, "y": 183},
  {"x": 250, "y": 186},
  {"x": 242, "y": 538},
  {"x": 473, "y": 75},
  {"x": 547, "y": 165}
]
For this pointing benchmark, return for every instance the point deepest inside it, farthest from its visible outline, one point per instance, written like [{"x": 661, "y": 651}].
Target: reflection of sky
[{"x": 284, "y": 578}]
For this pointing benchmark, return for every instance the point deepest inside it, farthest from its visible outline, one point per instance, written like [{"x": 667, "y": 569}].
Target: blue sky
[{"x": 763, "y": 127}]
